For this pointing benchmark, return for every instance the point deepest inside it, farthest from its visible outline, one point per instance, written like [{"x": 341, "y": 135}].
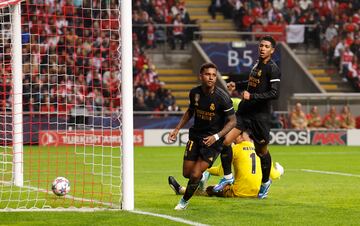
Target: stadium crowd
[
  {"x": 68, "y": 60},
  {"x": 330, "y": 25},
  {"x": 160, "y": 21},
  {"x": 332, "y": 120},
  {"x": 154, "y": 22},
  {"x": 70, "y": 56}
]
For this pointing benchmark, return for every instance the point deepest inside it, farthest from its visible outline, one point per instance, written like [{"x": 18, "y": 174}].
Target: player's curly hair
[
  {"x": 206, "y": 66},
  {"x": 269, "y": 39}
]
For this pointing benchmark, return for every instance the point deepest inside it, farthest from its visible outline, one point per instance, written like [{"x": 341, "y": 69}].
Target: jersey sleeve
[
  {"x": 191, "y": 100},
  {"x": 241, "y": 85},
  {"x": 273, "y": 92},
  {"x": 228, "y": 105},
  {"x": 275, "y": 74}
]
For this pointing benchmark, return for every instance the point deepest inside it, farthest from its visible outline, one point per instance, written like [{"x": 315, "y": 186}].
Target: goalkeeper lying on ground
[{"x": 247, "y": 170}]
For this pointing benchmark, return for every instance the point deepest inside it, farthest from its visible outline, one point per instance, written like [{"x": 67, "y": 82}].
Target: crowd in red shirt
[
  {"x": 171, "y": 18},
  {"x": 70, "y": 58},
  {"x": 149, "y": 91},
  {"x": 330, "y": 25},
  {"x": 330, "y": 120}
]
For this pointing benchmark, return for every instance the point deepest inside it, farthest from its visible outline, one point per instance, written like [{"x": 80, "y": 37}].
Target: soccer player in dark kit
[
  {"x": 214, "y": 117},
  {"x": 254, "y": 111}
]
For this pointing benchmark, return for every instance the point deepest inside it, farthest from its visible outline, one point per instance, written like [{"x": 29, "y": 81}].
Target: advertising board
[{"x": 86, "y": 137}]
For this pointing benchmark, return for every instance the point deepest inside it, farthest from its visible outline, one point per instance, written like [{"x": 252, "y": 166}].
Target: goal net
[{"x": 61, "y": 105}]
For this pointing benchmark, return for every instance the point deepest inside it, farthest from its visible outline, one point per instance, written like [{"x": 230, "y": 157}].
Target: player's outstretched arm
[
  {"x": 228, "y": 126},
  {"x": 239, "y": 86},
  {"x": 273, "y": 93},
  {"x": 184, "y": 119}
]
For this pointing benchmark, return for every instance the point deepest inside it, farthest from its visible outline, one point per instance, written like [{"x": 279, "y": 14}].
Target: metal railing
[
  {"x": 234, "y": 34},
  {"x": 326, "y": 100},
  {"x": 163, "y": 33},
  {"x": 193, "y": 32}
]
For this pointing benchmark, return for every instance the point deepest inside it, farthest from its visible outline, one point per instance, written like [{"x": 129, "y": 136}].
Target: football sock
[
  {"x": 190, "y": 189},
  {"x": 229, "y": 176},
  {"x": 226, "y": 159},
  {"x": 265, "y": 166},
  {"x": 182, "y": 190}
]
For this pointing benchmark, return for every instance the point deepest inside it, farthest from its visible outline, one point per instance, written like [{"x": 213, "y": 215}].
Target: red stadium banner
[
  {"x": 308, "y": 137},
  {"x": 86, "y": 137},
  {"x": 328, "y": 138},
  {"x": 4, "y": 3},
  {"x": 258, "y": 28},
  {"x": 277, "y": 28}
]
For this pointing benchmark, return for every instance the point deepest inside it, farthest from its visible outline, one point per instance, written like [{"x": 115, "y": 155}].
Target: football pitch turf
[{"x": 319, "y": 187}]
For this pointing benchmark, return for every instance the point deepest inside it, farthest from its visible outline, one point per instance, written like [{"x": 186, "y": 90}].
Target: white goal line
[
  {"x": 330, "y": 173},
  {"x": 87, "y": 209},
  {"x": 66, "y": 196}
]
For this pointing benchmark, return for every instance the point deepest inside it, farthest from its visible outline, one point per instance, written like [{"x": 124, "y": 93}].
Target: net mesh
[{"x": 71, "y": 104}]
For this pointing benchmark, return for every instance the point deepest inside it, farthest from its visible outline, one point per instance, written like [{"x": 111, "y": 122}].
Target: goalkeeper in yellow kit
[{"x": 247, "y": 170}]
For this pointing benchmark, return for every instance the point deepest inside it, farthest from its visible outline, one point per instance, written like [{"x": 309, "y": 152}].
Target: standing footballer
[
  {"x": 254, "y": 111},
  {"x": 214, "y": 117}
]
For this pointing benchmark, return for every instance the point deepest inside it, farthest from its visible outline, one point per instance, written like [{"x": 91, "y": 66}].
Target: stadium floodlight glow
[{"x": 66, "y": 106}]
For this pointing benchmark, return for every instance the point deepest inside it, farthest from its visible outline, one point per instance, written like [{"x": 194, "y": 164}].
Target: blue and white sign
[{"x": 234, "y": 57}]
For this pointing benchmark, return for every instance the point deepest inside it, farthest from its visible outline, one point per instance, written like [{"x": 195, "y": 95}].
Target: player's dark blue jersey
[
  {"x": 211, "y": 112},
  {"x": 263, "y": 86}
]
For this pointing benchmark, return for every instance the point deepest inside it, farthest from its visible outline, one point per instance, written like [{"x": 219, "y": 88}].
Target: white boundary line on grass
[
  {"x": 330, "y": 173},
  {"x": 176, "y": 219}
]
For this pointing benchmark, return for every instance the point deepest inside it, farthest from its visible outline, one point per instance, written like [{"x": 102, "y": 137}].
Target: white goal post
[
  {"x": 17, "y": 96},
  {"x": 53, "y": 122},
  {"x": 127, "y": 118}
]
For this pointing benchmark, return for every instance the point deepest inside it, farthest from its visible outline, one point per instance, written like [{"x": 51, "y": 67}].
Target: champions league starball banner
[{"x": 235, "y": 57}]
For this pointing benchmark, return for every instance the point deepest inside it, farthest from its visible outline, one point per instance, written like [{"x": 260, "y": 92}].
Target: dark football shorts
[
  {"x": 196, "y": 148},
  {"x": 258, "y": 128}
]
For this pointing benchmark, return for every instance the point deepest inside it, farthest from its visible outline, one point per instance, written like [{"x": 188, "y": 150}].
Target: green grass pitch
[{"x": 320, "y": 187}]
